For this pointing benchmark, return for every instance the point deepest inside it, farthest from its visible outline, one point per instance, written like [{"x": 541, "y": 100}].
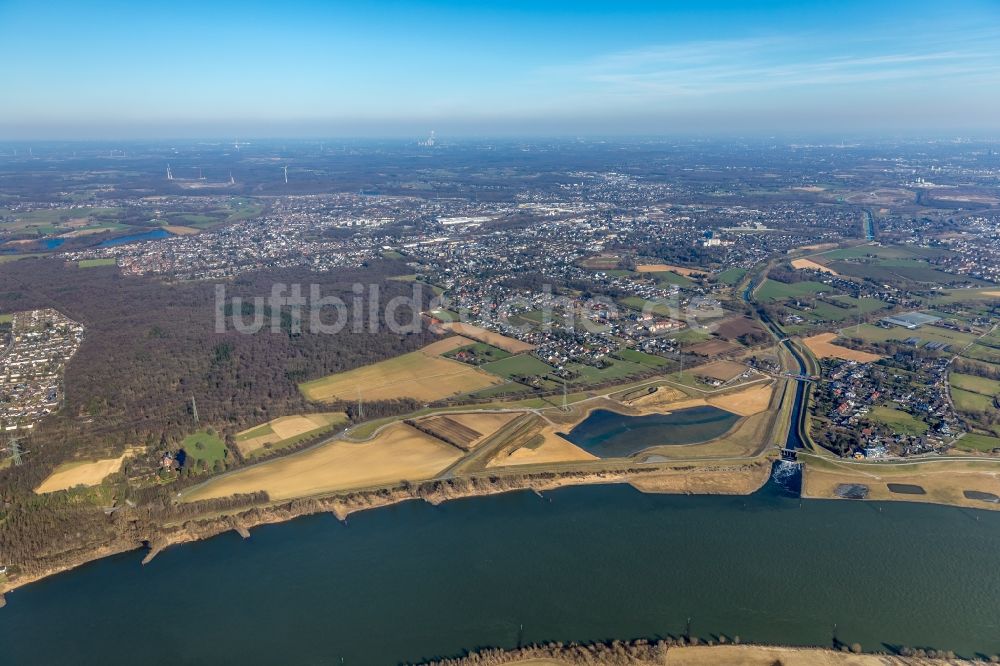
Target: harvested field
[
  {"x": 486, "y": 423},
  {"x": 822, "y": 346},
  {"x": 181, "y": 231},
  {"x": 549, "y": 449},
  {"x": 712, "y": 348},
  {"x": 449, "y": 344},
  {"x": 663, "y": 268},
  {"x": 812, "y": 265},
  {"x": 753, "y": 400},
  {"x": 421, "y": 375},
  {"x": 734, "y": 327},
  {"x": 721, "y": 370},
  {"x": 746, "y": 402},
  {"x": 448, "y": 430},
  {"x": 396, "y": 454},
  {"x": 489, "y": 337},
  {"x": 991, "y": 293},
  {"x": 286, "y": 429},
  {"x": 75, "y": 474}
]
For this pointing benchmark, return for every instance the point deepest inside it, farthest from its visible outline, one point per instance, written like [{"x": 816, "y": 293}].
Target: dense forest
[{"x": 151, "y": 346}]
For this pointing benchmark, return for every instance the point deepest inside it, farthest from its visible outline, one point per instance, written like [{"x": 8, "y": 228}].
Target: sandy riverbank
[
  {"x": 670, "y": 653},
  {"x": 194, "y": 522}
]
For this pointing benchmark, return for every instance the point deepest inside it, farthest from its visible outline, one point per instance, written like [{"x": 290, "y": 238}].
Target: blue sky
[{"x": 293, "y": 68}]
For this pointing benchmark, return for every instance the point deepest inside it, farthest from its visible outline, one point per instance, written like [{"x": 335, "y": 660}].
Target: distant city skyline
[{"x": 124, "y": 70}]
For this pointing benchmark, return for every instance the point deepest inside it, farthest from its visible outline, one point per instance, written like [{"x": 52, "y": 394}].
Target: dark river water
[
  {"x": 608, "y": 434},
  {"x": 415, "y": 581}
]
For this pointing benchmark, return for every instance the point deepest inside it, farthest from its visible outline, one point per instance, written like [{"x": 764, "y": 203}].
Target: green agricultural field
[
  {"x": 262, "y": 430},
  {"x": 887, "y": 252},
  {"x": 521, "y": 365},
  {"x": 965, "y": 296},
  {"x": 642, "y": 305},
  {"x": 446, "y": 315},
  {"x": 669, "y": 277},
  {"x": 926, "y": 334},
  {"x": 4, "y": 258},
  {"x": 989, "y": 387},
  {"x": 981, "y": 352},
  {"x": 6, "y": 318},
  {"x": 900, "y": 270},
  {"x": 482, "y": 351},
  {"x": 642, "y": 358},
  {"x": 617, "y": 370},
  {"x": 976, "y": 442},
  {"x": 971, "y": 403},
  {"x": 732, "y": 276},
  {"x": 502, "y": 391},
  {"x": 287, "y": 431},
  {"x": 94, "y": 263},
  {"x": 772, "y": 290},
  {"x": 203, "y": 449},
  {"x": 898, "y": 420}
]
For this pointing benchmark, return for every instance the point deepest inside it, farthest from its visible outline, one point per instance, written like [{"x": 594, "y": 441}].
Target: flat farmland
[
  {"x": 731, "y": 275},
  {"x": 822, "y": 346},
  {"x": 398, "y": 453},
  {"x": 898, "y": 420},
  {"x": 721, "y": 370},
  {"x": 900, "y": 269},
  {"x": 87, "y": 473},
  {"x": 925, "y": 334},
  {"x": 522, "y": 365},
  {"x": 812, "y": 265},
  {"x": 975, "y": 384},
  {"x": 421, "y": 375},
  {"x": 971, "y": 402},
  {"x": 489, "y": 337},
  {"x": 975, "y": 442},
  {"x": 286, "y": 431},
  {"x": 981, "y": 352},
  {"x": 663, "y": 268},
  {"x": 747, "y": 402},
  {"x": 713, "y": 348},
  {"x": 733, "y": 327},
  {"x": 772, "y": 290}
]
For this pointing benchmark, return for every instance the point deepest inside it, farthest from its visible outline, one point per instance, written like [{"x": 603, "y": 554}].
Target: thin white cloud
[{"x": 762, "y": 65}]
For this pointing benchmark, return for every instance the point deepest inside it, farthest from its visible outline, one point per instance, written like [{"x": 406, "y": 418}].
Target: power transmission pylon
[
  {"x": 15, "y": 453},
  {"x": 194, "y": 410},
  {"x": 565, "y": 405}
]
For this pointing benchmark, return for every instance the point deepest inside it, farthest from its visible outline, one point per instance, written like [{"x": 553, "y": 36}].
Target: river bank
[
  {"x": 579, "y": 563},
  {"x": 201, "y": 521},
  {"x": 683, "y": 653}
]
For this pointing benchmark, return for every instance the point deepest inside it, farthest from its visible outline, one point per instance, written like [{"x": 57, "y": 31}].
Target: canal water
[{"x": 416, "y": 581}]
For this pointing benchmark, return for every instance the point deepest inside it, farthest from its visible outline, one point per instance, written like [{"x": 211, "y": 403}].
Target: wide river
[{"x": 416, "y": 581}]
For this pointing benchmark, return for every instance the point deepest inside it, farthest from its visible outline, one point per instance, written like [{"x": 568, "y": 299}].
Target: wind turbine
[
  {"x": 286, "y": 174},
  {"x": 170, "y": 174}
]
